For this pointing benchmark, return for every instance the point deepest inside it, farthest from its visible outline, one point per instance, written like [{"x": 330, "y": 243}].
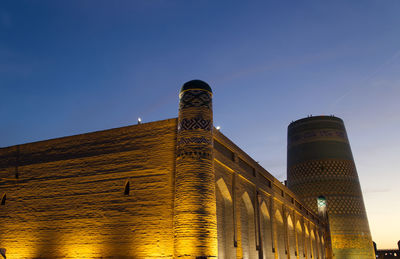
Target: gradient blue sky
[{"x": 69, "y": 67}]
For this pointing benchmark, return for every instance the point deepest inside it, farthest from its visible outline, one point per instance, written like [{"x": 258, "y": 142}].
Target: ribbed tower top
[{"x": 195, "y": 85}]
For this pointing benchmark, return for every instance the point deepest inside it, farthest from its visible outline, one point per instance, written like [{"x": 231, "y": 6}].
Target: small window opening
[
  {"x": 127, "y": 188},
  {"x": 3, "y": 199}
]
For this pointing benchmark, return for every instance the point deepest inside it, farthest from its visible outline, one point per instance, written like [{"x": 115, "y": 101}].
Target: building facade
[{"x": 175, "y": 188}]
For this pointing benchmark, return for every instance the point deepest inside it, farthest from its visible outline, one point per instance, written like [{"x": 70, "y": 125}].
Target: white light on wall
[{"x": 139, "y": 120}]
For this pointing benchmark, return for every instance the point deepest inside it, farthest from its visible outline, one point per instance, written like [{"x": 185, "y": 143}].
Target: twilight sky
[{"x": 70, "y": 67}]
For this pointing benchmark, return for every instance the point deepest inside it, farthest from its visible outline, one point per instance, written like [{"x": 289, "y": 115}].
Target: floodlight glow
[{"x": 321, "y": 202}]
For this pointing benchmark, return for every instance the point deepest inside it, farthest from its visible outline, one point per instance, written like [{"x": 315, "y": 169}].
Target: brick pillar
[{"x": 195, "y": 220}]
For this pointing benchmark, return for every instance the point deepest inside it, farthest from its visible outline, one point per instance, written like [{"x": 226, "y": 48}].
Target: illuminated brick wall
[
  {"x": 259, "y": 216},
  {"x": 69, "y": 201}
]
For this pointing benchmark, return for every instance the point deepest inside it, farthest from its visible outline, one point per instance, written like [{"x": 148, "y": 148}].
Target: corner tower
[
  {"x": 195, "y": 221},
  {"x": 320, "y": 163}
]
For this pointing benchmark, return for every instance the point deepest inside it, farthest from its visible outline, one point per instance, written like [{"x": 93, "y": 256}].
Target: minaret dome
[{"x": 195, "y": 85}]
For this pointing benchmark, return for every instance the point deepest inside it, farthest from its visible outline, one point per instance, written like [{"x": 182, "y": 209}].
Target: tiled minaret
[
  {"x": 320, "y": 163},
  {"x": 195, "y": 222}
]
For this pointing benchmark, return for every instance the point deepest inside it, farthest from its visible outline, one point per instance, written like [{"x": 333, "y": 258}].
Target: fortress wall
[
  {"x": 269, "y": 218},
  {"x": 69, "y": 201}
]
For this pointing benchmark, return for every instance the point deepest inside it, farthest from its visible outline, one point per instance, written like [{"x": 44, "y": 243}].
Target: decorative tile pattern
[
  {"x": 337, "y": 180},
  {"x": 196, "y": 140},
  {"x": 194, "y": 153},
  {"x": 197, "y": 123},
  {"x": 195, "y": 98}
]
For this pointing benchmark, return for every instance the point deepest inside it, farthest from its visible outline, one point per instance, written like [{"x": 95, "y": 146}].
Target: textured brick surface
[
  {"x": 69, "y": 199},
  {"x": 262, "y": 215}
]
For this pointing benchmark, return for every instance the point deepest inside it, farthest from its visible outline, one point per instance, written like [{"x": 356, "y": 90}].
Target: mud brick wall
[{"x": 65, "y": 198}]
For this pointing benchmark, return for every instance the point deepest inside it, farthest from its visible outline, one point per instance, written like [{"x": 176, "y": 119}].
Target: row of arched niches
[{"x": 261, "y": 225}]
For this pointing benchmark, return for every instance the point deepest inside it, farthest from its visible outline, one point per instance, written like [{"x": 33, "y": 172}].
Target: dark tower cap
[
  {"x": 196, "y": 85},
  {"x": 316, "y": 119}
]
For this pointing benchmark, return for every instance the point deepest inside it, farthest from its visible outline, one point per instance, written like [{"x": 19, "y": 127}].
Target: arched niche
[
  {"x": 307, "y": 243},
  {"x": 225, "y": 223},
  {"x": 300, "y": 240},
  {"x": 323, "y": 249},
  {"x": 266, "y": 231},
  {"x": 224, "y": 189},
  {"x": 280, "y": 235},
  {"x": 247, "y": 227},
  {"x": 291, "y": 238},
  {"x": 314, "y": 246}
]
